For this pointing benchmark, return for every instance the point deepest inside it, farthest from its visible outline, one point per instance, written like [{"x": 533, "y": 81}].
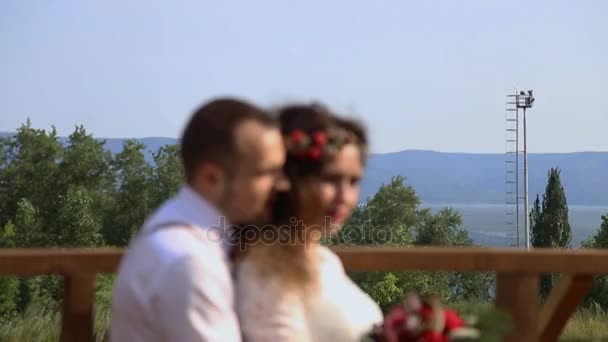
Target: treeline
[{"x": 77, "y": 194}]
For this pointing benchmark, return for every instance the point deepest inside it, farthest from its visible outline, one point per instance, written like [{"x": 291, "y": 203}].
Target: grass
[
  {"x": 37, "y": 325},
  {"x": 585, "y": 325}
]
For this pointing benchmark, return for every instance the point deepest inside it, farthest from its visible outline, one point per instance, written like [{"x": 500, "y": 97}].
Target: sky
[{"x": 429, "y": 75}]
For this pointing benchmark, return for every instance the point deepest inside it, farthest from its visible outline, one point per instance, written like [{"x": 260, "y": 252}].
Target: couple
[{"x": 286, "y": 179}]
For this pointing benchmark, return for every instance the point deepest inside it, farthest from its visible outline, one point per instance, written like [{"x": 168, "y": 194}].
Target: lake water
[{"x": 487, "y": 223}]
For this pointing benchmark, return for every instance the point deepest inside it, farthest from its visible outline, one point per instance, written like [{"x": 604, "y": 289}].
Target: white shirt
[
  {"x": 339, "y": 312},
  {"x": 174, "y": 284}
]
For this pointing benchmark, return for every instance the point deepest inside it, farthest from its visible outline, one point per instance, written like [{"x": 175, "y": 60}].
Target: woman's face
[{"x": 340, "y": 187}]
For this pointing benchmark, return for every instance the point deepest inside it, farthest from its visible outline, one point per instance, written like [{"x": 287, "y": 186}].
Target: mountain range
[{"x": 465, "y": 178}]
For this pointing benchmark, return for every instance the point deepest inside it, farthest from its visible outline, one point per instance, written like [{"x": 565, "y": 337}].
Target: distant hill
[
  {"x": 480, "y": 178},
  {"x": 466, "y": 178}
]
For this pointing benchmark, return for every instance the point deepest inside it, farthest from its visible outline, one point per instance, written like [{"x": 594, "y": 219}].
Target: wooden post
[
  {"x": 562, "y": 303},
  {"x": 78, "y": 298},
  {"x": 518, "y": 294}
]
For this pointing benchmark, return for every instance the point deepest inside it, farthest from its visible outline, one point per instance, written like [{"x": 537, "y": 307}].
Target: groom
[{"x": 174, "y": 283}]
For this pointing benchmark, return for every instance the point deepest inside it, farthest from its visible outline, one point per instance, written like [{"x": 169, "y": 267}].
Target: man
[{"x": 174, "y": 282}]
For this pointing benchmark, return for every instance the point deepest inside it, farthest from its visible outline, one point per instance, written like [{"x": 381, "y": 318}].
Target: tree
[
  {"x": 9, "y": 286},
  {"x": 85, "y": 163},
  {"x": 536, "y": 218},
  {"x": 444, "y": 229},
  {"x": 56, "y": 194},
  {"x": 551, "y": 226},
  {"x": 28, "y": 233},
  {"x": 441, "y": 229},
  {"x": 27, "y": 225},
  {"x": 30, "y": 171},
  {"x": 387, "y": 218},
  {"x": 133, "y": 196},
  {"x": 598, "y": 295},
  {"x": 168, "y": 174},
  {"x": 549, "y": 223},
  {"x": 76, "y": 223}
]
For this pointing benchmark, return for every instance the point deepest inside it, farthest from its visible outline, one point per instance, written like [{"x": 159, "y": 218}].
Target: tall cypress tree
[
  {"x": 549, "y": 224},
  {"x": 536, "y": 219}
]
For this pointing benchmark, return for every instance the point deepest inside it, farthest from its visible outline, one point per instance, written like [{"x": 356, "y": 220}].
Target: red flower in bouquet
[
  {"x": 452, "y": 320},
  {"x": 426, "y": 320},
  {"x": 417, "y": 320}
]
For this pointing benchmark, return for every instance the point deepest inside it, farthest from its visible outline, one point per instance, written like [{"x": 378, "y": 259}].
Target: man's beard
[{"x": 238, "y": 215}]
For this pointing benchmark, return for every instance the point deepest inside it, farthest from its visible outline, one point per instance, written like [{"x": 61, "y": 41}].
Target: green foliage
[
  {"x": 76, "y": 224},
  {"x": 598, "y": 295},
  {"x": 9, "y": 291},
  {"x": 168, "y": 175},
  {"x": 441, "y": 229},
  {"x": 85, "y": 163},
  {"x": 386, "y": 219},
  {"x": 394, "y": 204},
  {"x": 134, "y": 194},
  {"x": 7, "y": 235},
  {"x": 73, "y": 195},
  {"x": 549, "y": 225},
  {"x": 27, "y": 225},
  {"x": 30, "y": 171},
  {"x": 600, "y": 239},
  {"x": 386, "y": 291},
  {"x": 9, "y": 286}
]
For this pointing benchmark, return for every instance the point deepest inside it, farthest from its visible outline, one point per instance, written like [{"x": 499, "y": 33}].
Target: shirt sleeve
[
  {"x": 194, "y": 302},
  {"x": 266, "y": 313}
]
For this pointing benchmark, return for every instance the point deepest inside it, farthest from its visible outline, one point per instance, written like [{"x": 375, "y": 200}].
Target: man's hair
[{"x": 210, "y": 135}]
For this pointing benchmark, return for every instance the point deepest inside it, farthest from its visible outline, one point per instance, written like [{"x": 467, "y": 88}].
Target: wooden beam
[
  {"x": 518, "y": 294},
  {"x": 28, "y": 262},
  {"x": 473, "y": 260},
  {"x": 25, "y": 262},
  {"x": 562, "y": 302},
  {"x": 77, "y": 323}
]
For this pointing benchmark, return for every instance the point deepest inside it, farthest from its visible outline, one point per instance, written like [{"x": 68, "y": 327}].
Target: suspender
[{"x": 167, "y": 225}]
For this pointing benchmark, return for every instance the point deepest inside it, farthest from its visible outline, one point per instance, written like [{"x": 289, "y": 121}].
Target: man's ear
[{"x": 211, "y": 180}]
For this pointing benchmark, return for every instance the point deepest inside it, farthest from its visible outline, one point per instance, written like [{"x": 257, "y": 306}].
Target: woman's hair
[{"x": 313, "y": 135}]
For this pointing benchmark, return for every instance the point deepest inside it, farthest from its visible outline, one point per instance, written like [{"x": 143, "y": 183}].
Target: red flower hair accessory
[{"x": 317, "y": 144}]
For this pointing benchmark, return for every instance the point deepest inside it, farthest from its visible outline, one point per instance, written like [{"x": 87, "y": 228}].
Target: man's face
[{"x": 257, "y": 174}]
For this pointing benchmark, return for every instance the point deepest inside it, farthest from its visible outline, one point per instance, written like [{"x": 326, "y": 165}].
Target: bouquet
[{"x": 426, "y": 320}]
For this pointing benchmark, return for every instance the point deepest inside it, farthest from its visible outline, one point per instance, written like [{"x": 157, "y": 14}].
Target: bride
[{"x": 289, "y": 287}]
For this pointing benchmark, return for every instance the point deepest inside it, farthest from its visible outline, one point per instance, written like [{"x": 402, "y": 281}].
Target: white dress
[{"x": 339, "y": 311}]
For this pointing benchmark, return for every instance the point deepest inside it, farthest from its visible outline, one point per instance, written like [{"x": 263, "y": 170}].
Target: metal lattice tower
[
  {"x": 515, "y": 102},
  {"x": 512, "y": 168}
]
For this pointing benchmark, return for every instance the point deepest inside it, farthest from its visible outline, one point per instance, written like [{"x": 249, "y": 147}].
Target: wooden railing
[{"x": 518, "y": 274}]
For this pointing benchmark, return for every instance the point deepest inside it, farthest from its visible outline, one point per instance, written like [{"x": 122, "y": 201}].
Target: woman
[{"x": 289, "y": 286}]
